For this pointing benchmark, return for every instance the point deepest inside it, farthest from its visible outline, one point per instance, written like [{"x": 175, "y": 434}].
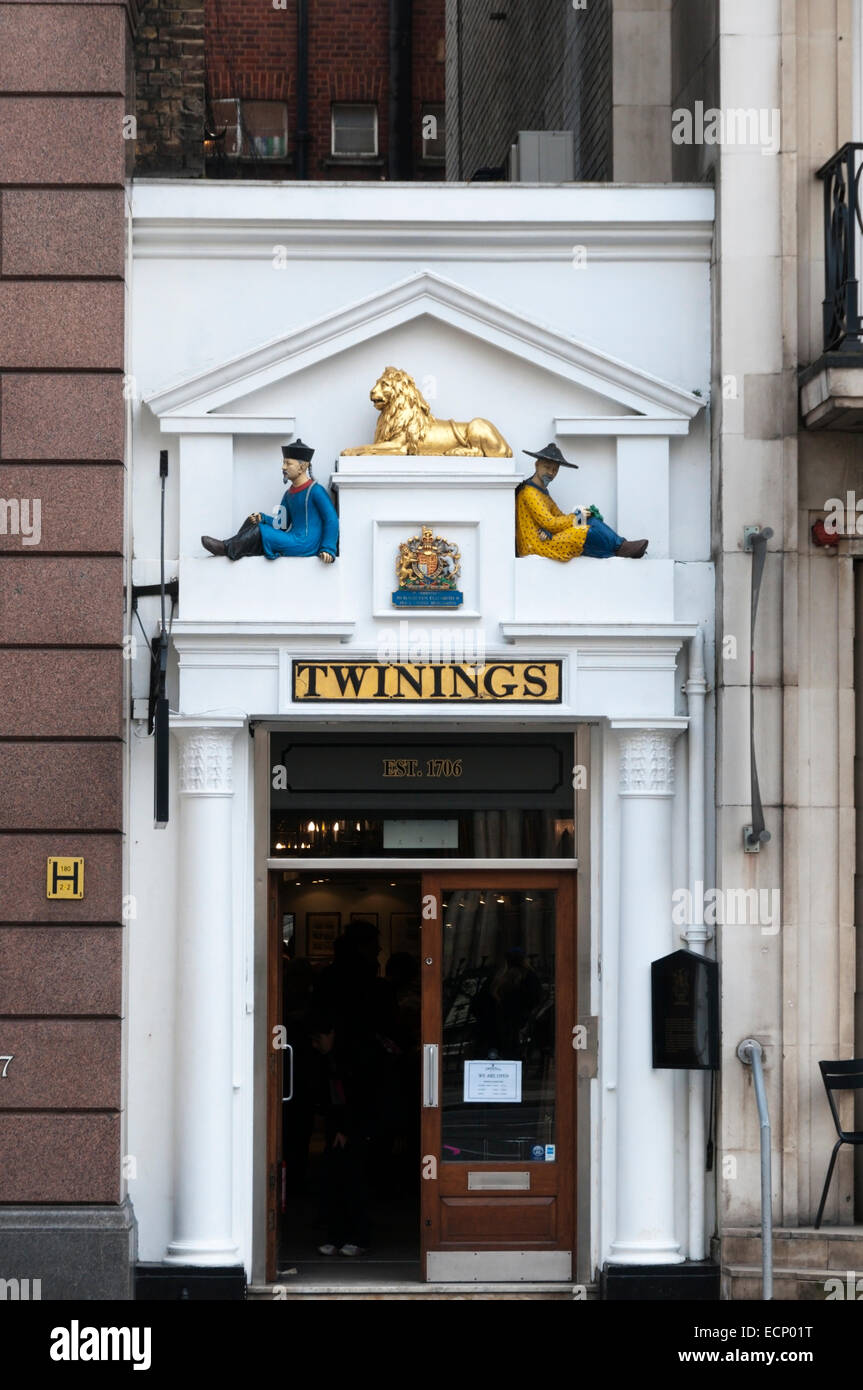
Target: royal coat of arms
[{"x": 427, "y": 569}]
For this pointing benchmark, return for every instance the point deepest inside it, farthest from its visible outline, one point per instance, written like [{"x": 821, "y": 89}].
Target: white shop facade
[{"x": 513, "y": 787}]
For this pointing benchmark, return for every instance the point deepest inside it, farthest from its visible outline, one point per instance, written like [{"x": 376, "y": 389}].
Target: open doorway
[{"x": 345, "y": 1005}]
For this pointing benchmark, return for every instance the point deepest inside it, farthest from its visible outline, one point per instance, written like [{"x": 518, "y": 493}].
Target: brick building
[{"x": 308, "y": 89}]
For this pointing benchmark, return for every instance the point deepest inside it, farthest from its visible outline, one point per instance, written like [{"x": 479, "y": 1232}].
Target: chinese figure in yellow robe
[{"x": 541, "y": 528}]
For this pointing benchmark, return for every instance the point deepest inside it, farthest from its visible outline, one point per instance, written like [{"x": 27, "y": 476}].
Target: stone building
[{"x": 64, "y": 162}]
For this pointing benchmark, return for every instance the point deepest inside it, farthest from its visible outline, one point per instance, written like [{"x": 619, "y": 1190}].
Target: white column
[
  {"x": 203, "y": 1096},
  {"x": 206, "y": 490},
  {"x": 644, "y": 1233},
  {"x": 643, "y": 496}
]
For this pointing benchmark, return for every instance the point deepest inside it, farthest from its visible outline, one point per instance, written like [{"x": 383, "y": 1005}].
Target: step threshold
[
  {"x": 796, "y": 1232},
  {"x": 802, "y": 1272},
  {"x": 291, "y": 1287}
]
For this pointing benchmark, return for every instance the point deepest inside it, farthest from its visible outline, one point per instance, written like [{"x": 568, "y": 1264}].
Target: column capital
[
  {"x": 206, "y": 755},
  {"x": 647, "y": 755}
]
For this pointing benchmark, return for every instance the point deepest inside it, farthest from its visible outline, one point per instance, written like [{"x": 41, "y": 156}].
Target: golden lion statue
[{"x": 407, "y": 426}]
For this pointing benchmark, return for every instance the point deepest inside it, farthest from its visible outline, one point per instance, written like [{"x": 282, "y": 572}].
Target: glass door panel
[{"x": 498, "y": 1025}]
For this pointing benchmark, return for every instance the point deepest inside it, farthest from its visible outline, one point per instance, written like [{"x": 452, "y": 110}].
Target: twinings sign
[{"x": 497, "y": 682}]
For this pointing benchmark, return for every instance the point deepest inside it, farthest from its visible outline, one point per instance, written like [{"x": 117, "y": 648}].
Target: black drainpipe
[
  {"x": 301, "y": 139},
  {"x": 400, "y": 164}
]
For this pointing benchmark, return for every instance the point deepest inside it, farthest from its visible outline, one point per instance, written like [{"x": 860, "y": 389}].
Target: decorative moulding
[
  {"x": 569, "y": 427},
  {"x": 282, "y": 427},
  {"x": 206, "y": 757},
  {"x": 423, "y": 294},
  {"x": 343, "y": 220},
  {"x": 647, "y": 761}
]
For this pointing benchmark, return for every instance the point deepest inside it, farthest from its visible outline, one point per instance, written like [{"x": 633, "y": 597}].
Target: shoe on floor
[
  {"x": 326, "y": 1249},
  {"x": 215, "y": 547},
  {"x": 632, "y": 550},
  {"x": 352, "y": 1250}
]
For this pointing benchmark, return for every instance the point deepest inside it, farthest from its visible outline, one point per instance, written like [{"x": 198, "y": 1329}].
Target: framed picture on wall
[
  {"x": 365, "y": 917},
  {"x": 405, "y": 932},
  {"x": 322, "y": 928}
]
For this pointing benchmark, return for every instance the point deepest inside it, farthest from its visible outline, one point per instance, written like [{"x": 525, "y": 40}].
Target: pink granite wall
[{"x": 63, "y": 157}]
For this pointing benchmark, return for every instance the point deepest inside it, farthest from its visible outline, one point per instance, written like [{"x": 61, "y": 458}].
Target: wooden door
[{"x": 498, "y": 1124}]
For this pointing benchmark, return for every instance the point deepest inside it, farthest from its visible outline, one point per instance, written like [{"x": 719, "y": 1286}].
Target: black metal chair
[{"x": 839, "y": 1076}]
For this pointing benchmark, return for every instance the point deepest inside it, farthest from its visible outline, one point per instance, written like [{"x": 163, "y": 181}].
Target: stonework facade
[
  {"x": 63, "y": 162},
  {"x": 170, "y": 95}
]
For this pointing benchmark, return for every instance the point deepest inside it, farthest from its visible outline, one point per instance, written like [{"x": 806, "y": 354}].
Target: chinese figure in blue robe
[
  {"x": 306, "y": 523},
  {"x": 541, "y": 528}
]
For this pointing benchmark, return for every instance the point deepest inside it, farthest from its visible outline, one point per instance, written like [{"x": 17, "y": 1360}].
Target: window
[
  {"x": 265, "y": 129},
  {"x": 248, "y": 129},
  {"x": 433, "y": 131},
  {"x": 224, "y": 138},
  {"x": 354, "y": 131}
]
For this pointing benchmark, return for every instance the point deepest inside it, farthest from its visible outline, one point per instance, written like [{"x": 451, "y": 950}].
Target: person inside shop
[
  {"x": 363, "y": 1060},
  {"x": 507, "y": 1005},
  {"x": 346, "y": 1099},
  {"x": 403, "y": 973}
]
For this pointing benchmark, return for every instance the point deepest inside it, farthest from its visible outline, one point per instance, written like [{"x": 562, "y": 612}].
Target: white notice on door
[{"x": 492, "y": 1081}]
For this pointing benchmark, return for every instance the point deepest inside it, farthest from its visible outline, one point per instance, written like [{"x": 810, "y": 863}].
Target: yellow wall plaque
[
  {"x": 496, "y": 682},
  {"x": 65, "y": 877}
]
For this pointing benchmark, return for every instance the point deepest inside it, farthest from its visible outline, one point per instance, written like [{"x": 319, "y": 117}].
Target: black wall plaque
[
  {"x": 390, "y": 772},
  {"x": 685, "y": 996}
]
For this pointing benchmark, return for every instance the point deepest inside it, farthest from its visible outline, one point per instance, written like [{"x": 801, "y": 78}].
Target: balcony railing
[{"x": 843, "y": 230}]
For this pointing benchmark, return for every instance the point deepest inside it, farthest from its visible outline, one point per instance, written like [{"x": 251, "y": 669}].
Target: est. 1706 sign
[{"x": 498, "y": 682}]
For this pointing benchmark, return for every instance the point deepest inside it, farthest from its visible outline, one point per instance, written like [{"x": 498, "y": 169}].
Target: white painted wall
[{"x": 204, "y": 291}]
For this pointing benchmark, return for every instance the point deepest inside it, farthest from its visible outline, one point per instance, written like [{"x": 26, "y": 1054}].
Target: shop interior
[{"x": 350, "y": 1163}]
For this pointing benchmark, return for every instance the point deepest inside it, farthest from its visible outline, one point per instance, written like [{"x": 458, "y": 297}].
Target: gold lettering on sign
[
  {"x": 411, "y": 767},
  {"x": 530, "y": 682}
]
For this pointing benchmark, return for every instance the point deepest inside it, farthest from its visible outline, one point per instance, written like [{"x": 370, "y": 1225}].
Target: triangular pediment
[{"x": 226, "y": 391}]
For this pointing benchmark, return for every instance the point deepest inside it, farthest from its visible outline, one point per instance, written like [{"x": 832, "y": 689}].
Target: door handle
[
  {"x": 290, "y": 1094},
  {"x": 430, "y": 1076}
]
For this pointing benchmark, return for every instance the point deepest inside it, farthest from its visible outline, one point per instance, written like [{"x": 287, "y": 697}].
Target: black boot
[{"x": 246, "y": 542}]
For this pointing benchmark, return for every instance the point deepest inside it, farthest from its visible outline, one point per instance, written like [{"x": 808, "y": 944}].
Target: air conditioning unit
[{"x": 542, "y": 156}]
